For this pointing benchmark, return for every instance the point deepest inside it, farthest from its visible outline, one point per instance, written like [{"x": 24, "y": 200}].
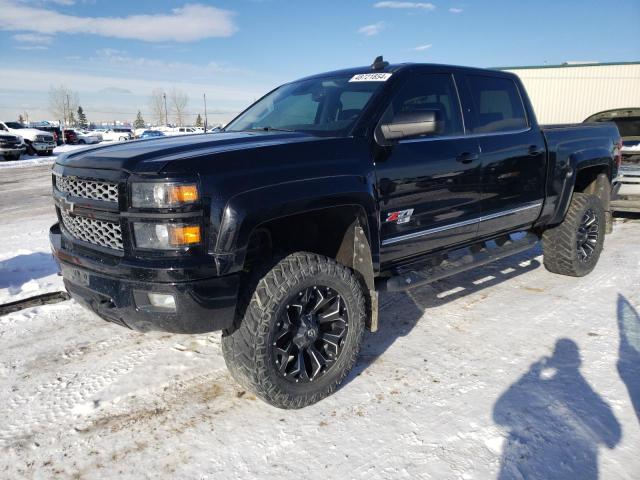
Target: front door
[{"x": 428, "y": 186}]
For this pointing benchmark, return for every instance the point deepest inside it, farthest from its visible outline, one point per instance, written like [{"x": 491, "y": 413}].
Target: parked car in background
[
  {"x": 11, "y": 146},
  {"x": 70, "y": 136},
  {"x": 117, "y": 135},
  {"x": 54, "y": 130},
  {"x": 151, "y": 134},
  {"x": 86, "y": 137},
  {"x": 627, "y": 120},
  {"x": 36, "y": 141},
  {"x": 171, "y": 131}
]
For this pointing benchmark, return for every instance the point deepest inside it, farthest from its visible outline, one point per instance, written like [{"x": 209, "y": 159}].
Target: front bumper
[
  {"x": 201, "y": 305},
  {"x": 43, "y": 146},
  {"x": 11, "y": 151}
]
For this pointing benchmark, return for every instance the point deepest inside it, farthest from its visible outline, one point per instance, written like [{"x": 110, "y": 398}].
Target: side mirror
[{"x": 413, "y": 124}]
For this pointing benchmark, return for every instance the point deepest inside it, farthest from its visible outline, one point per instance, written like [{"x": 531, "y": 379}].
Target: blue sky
[{"x": 114, "y": 53}]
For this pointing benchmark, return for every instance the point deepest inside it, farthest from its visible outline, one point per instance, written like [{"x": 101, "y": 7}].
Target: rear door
[
  {"x": 428, "y": 186},
  {"x": 512, "y": 153}
]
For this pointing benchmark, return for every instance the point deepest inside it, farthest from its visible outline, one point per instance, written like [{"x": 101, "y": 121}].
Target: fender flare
[
  {"x": 570, "y": 169},
  {"x": 246, "y": 211}
]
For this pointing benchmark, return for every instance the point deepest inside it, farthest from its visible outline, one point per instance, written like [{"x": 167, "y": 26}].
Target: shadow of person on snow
[
  {"x": 400, "y": 311},
  {"x": 556, "y": 421},
  {"x": 629, "y": 350},
  {"x": 18, "y": 270}
]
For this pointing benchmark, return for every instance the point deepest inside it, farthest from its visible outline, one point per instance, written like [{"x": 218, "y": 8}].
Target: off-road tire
[
  {"x": 30, "y": 150},
  {"x": 559, "y": 244},
  {"x": 247, "y": 346}
]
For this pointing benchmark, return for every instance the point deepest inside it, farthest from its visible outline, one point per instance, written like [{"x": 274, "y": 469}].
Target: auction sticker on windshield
[{"x": 371, "y": 77}]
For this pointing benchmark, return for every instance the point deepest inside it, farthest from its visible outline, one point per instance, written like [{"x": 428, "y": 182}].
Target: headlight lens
[
  {"x": 163, "y": 195},
  {"x": 166, "y": 236}
]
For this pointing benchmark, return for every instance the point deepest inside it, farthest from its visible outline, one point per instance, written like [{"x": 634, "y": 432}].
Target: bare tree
[
  {"x": 179, "y": 101},
  {"x": 157, "y": 103},
  {"x": 63, "y": 102}
]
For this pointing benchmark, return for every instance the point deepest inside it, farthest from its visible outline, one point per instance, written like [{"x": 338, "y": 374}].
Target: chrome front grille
[
  {"x": 44, "y": 138},
  {"x": 78, "y": 187},
  {"x": 97, "y": 232}
]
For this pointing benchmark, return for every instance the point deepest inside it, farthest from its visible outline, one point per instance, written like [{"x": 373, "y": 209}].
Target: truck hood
[
  {"x": 29, "y": 132},
  {"x": 152, "y": 155}
]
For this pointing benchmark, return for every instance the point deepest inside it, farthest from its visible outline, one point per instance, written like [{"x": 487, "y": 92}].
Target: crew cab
[
  {"x": 281, "y": 229},
  {"x": 36, "y": 141}
]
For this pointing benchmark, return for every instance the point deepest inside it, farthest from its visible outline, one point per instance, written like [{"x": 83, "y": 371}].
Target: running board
[{"x": 477, "y": 255}]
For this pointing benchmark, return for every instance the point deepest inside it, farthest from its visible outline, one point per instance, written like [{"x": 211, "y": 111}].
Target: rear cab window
[{"x": 496, "y": 105}]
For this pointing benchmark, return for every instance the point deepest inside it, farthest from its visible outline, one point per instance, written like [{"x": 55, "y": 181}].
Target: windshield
[
  {"x": 14, "y": 125},
  {"x": 322, "y": 106}
]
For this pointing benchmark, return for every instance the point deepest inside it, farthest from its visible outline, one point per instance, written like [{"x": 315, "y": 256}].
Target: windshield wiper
[{"x": 270, "y": 129}]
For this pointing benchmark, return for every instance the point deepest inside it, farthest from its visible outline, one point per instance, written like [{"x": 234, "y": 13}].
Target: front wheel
[
  {"x": 31, "y": 150},
  {"x": 573, "y": 247},
  {"x": 300, "y": 333},
  {"x": 81, "y": 142}
]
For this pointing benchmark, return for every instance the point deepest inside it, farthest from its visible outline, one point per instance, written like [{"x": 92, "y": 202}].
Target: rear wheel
[
  {"x": 573, "y": 247},
  {"x": 300, "y": 333}
]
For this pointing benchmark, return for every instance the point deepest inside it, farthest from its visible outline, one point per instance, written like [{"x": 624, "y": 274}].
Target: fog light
[{"x": 162, "y": 300}]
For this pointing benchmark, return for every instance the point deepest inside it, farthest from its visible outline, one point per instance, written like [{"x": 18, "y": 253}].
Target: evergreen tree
[
  {"x": 72, "y": 120},
  {"x": 139, "y": 122},
  {"x": 82, "y": 118},
  {"x": 199, "y": 121}
]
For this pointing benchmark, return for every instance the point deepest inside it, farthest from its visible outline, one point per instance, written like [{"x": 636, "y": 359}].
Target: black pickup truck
[{"x": 280, "y": 229}]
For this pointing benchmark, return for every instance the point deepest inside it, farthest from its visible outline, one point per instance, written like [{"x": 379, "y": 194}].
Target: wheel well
[
  {"x": 586, "y": 180},
  {"x": 597, "y": 181},
  {"x": 316, "y": 231}
]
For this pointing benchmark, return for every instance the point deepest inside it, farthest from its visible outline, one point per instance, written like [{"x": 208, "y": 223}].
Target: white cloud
[
  {"x": 33, "y": 38},
  {"x": 32, "y": 47},
  {"x": 189, "y": 23},
  {"x": 455, "y": 10},
  {"x": 422, "y": 48},
  {"x": 373, "y": 29},
  {"x": 415, "y": 5},
  {"x": 31, "y": 80},
  {"x": 122, "y": 60}
]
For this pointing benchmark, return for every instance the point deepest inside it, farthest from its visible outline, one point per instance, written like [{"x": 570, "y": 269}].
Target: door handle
[
  {"x": 467, "y": 157},
  {"x": 534, "y": 151}
]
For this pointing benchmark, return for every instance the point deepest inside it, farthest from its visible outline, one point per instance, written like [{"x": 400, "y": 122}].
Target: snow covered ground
[
  {"x": 32, "y": 160},
  {"x": 505, "y": 372}
]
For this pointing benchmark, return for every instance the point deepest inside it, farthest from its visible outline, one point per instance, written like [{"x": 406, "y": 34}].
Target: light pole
[
  {"x": 204, "y": 97},
  {"x": 166, "y": 116}
]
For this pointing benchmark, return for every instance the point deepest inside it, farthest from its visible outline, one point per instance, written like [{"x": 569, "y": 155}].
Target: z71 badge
[{"x": 401, "y": 216}]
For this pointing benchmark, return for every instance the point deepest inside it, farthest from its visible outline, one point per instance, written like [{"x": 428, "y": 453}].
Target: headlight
[
  {"x": 163, "y": 195},
  {"x": 166, "y": 236}
]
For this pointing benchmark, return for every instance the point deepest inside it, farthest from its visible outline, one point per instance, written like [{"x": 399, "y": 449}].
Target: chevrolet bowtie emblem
[{"x": 68, "y": 205}]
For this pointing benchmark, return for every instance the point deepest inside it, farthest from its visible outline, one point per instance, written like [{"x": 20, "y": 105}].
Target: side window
[
  {"x": 435, "y": 92},
  {"x": 351, "y": 104},
  {"x": 497, "y": 104}
]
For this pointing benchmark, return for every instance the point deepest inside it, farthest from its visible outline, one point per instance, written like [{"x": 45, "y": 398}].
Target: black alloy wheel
[
  {"x": 309, "y": 336},
  {"x": 588, "y": 233}
]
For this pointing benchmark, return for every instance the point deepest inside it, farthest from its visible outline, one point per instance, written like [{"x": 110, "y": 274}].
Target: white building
[{"x": 570, "y": 93}]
